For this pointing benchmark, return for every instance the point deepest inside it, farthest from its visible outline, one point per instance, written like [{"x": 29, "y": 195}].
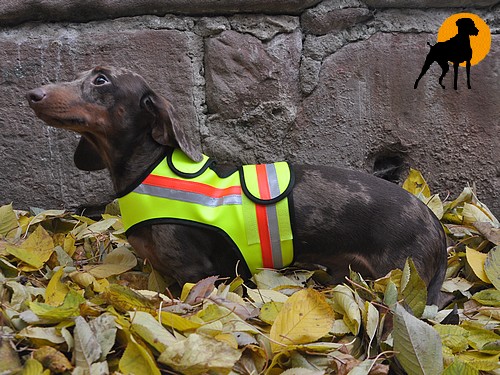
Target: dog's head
[
  {"x": 466, "y": 26},
  {"x": 106, "y": 106}
]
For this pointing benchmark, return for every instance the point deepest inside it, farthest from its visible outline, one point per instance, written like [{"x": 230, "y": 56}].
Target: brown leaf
[
  {"x": 201, "y": 290},
  {"x": 52, "y": 359}
]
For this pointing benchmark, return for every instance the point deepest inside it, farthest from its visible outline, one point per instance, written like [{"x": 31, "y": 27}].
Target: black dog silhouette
[{"x": 456, "y": 50}]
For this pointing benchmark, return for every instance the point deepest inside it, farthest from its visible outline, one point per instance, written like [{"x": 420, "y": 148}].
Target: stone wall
[{"x": 311, "y": 81}]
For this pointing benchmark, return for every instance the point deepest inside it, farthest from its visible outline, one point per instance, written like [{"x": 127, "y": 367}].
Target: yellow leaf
[
  {"x": 36, "y": 250},
  {"x": 69, "y": 244},
  {"x": 137, "y": 360},
  {"x": 125, "y": 299},
  {"x": 476, "y": 261},
  {"x": 8, "y": 219},
  {"x": 227, "y": 338},
  {"x": 305, "y": 317},
  {"x": 56, "y": 290},
  {"x": 186, "y": 288},
  {"x": 118, "y": 261},
  {"x": 177, "y": 322},
  {"x": 32, "y": 367},
  {"x": 473, "y": 213},
  {"x": 269, "y": 311},
  {"x": 84, "y": 279},
  {"x": 435, "y": 204},
  {"x": 345, "y": 304},
  {"x": 150, "y": 330},
  {"x": 415, "y": 184},
  {"x": 70, "y": 308}
]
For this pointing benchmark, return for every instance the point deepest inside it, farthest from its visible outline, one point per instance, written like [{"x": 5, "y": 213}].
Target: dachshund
[
  {"x": 342, "y": 220},
  {"x": 457, "y": 50}
]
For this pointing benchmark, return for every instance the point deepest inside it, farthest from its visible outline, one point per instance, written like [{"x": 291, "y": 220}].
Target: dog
[
  {"x": 342, "y": 219},
  {"x": 457, "y": 50}
]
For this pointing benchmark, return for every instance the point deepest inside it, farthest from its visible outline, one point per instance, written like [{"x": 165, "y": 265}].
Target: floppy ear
[
  {"x": 86, "y": 156},
  {"x": 166, "y": 129}
]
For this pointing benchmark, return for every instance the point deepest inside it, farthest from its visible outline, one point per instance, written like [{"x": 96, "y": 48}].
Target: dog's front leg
[{"x": 467, "y": 68}]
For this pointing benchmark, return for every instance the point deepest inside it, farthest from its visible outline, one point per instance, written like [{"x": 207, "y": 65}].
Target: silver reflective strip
[
  {"x": 272, "y": 216},
  {"x": 188, "y": 197}
]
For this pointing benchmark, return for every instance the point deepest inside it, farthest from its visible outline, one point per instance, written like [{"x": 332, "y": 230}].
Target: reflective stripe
[
  {"x": 272, "y": 216},
  {"x": 198, "y": 187},
  {"x": 190, "y": 192},
  {"x": 267, "y": 217}
]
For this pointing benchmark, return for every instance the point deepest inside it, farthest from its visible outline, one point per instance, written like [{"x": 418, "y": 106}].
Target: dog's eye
[{"x": 100, "y": 80}]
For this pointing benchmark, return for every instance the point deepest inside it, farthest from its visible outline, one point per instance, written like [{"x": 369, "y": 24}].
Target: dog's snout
[{"x": 36, "y": 95}]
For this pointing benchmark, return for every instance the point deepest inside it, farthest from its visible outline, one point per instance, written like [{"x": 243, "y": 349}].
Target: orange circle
[{"x": 479, "y": 43}]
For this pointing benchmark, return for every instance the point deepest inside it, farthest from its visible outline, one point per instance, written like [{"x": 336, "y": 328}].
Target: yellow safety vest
[{"x": 250, "y": 206}]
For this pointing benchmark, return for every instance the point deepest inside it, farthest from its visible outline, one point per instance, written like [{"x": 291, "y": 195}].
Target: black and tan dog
[
  {"x": 456, "y": 50},
  {"x": 342, "y": 218}
]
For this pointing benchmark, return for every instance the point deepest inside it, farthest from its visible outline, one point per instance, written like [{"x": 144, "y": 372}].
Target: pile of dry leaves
[{"x": 75, "y": 299}]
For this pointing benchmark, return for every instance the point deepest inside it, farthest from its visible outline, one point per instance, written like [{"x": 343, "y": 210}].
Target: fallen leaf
[
  {"x": 52, "y": 359},
  {"x": 33, "y": 367},
  {"x": 41, "y": 334},
  {"x": 9, "y": 362},
  {"x": 150, "y": 330},
  {"x": 305, "y": 317},
  {"x": 476, "y": 261},
  {"x": 472, "y": 213},
  {"x": 177, "y": 322},
  {"x": 56, "y": 290},
  {"x": 488, "y": 230},
  {"x": 413, "y": 288},
  {"x": 35, "y": 251},
  {"x": 370, "y": 320},
  {"x": 453, "y": 336},
  {"x": 488, "y": 297},
  {"x": 137, "y": 360},
  {"x": 416, "y": 184},
  {"x": 70, "y": 308},
  {"x": 271, "y": 279},
  {"x": 104, "y": 328},
  {"x": 8, "y": 219},
  {"x": 125, "y": 299},
  {"x": 201, "y": 290},
  {"x": 460, "y": 368},
  {"x": 479, "y": 336},
  {"x": 96, "y": 228},
  {"x": 417, "y": 345},
  {"x": 87, "y": 349},
  {"x": 435, "y": 204},
  {"x": 200, "y": 354},
  {"x": 116, "y": 262},
  {"x": 269, "y": 311},
  {"x": 492, "y": 266},
  {"x": 345, "y": 304}
]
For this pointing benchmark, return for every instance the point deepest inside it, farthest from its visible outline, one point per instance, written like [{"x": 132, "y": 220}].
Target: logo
[{"x": 464, "y": 39}]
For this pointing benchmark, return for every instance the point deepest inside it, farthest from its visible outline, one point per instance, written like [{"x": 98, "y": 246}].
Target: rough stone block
[
  {"x": 330, "y": 16},
  {"x": 252, "y": 93},
  {"x": 264, "y": 27}
]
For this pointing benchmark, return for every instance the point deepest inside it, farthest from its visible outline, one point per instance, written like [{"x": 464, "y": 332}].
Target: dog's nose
[{"x": 36, "y": 95}]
